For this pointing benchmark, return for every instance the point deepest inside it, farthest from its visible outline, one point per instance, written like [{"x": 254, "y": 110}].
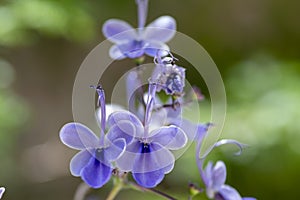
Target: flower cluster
[{"x": 142, "y": 139}]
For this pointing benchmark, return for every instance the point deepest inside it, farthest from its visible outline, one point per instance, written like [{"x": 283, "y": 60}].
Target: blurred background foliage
[{"x": 254, "y": 43}]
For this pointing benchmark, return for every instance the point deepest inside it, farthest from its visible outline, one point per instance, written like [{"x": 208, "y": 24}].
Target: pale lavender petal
[
  {"x": 248, "y": 198},
  {"x": 115, "y": 150},
  {"x": 126, "y": 115},
  {"x": 188, "y": 127},
  {"x": 162, "y": 29},
  {"x": 125, "y": 162},
  {"x": 152, "y": 157},
  {"x": 153, "y": 47},
  {"x": 2, "y": 190},
  {"x": 78, "y": 136},
  {"x": 218, "y": 175},
  {"x": 118, "y": 31},
  {"x": 132, "y": 49},
  {"x": 115, "y": 53},
  {"x": 95, "y": 173},
  {"x": 171, "y": 137},
  {"x": 229, "y": 193},
  {"x": 208, "y": 172},
  {"x": 79, "y": 161},
  {"x": 122, "y": 129},
  {"x": 149, "y": 179}
]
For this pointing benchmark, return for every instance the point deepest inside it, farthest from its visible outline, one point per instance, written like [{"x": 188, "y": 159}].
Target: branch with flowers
[{"x": 141, "y": 140}]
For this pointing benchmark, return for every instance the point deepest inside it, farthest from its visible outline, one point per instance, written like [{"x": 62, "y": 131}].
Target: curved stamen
[
  {"x": 149, "y": 105},
  {"x": 101, "y": 104}
]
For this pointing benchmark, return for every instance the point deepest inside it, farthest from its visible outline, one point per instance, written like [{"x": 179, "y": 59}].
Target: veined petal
[
  {"x": 115, "y": 150},
  {"x": 218, "y": 175},
  {"x": 171, "y": 137},
  {"x": 149, "y": 179},
  {"x": 122, "y": 129},
  {"x": 78, "y": 136},
  {"x": 153, "y": 47},
  {"x": 115, "y": 53},
  {"x": 152, "y": 157},
  {"x": 229, "y": 193},
  {"x": 79, "y": 161},
  {"x": 126, "y": 115},
  {"x": 118, "y": 31},
  {"x": 95, "y": 173},
  {"x": 162, "y": 29}
]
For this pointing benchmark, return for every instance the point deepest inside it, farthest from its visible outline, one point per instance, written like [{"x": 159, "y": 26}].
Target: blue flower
[
  {"x": 148, "y": 155},
  {"x": 94, "y": 161},
  {"x": 2, "y": 190},
  {"x": 214, "y": 178},
  {"x": 133, "y": 43}
]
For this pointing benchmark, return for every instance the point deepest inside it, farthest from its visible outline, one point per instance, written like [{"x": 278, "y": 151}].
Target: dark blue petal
[
  {"x": 149, "y": 179},
  {"x": 95, "y": 173}
]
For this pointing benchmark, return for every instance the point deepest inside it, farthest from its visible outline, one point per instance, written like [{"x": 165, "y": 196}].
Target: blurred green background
[{"x": 255, "y": 44}]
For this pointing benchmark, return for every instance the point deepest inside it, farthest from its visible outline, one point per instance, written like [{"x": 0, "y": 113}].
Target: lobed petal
[
  {"x": 149, "y": 179},
  {"x": 122, "y": 129},
  {"x": 171, "y": 137},
  {"x": 218, "y": 175},
  {"x": 229, "y": 193},
  {"x": 118, "y": 31},
  {"x": 115, "y": 150},
  {"x": 115, "y": 53},
  {"x": 78, "y": 136},
  {"x": 162, "y": 29},
  {"x": 115, "y": 117},
  {"x": 153, "y": 47},
  {"x": 95, "y": 173},
  {"x": 125, "y": 162},
  {"x": 79, "y": 161}
]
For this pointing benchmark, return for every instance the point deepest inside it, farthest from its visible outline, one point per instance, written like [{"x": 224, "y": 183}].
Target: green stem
[
  {"x": 115, "y": 191},
  {"x": 154, "y": 191}
]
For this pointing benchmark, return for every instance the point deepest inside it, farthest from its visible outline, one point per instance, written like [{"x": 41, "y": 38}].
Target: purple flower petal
[
  {"x": 171, "y": 137},
  {"x": 208, "y": 172},
  {"x": 95, "y": 173},
  {"x": 132, "y": 49},
  {"x": 152, "y": 157},
  {"x": 248, "y": 198},
  {"x": 125, "y": 162},
  {"x": 125, "y": 115},
  {"x": 122, "y": 129},
  {"x": 115, "y": 150},
  {"x": 79, "y": 161},
  {"x": 149, "y": 179},
  {"x": 162, "y": 29},
  {"x": 218, "y": 175},
  {"x": 78, "y": 136},
  {"x": 229, "y": 193},
  {"x": 118, "y": 31},
  {"x": 153, "y": 47},
  {"x": 115, "y": 53},
  {"x": 2, "y": 190}
]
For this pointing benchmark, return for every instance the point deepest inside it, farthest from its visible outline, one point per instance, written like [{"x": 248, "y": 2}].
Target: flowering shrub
[{"x": 143, "y": 139}]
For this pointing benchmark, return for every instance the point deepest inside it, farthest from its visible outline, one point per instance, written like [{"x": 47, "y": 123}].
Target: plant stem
[
  {"x": 154, "y": 191},
  {"x": 81, "y": 191},
  {"x": 115, "y": 191}
]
